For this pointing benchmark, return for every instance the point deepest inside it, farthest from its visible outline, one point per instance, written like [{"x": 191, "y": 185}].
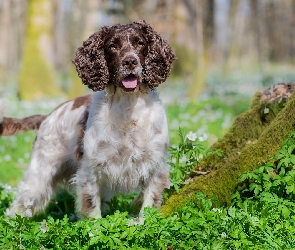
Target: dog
[{"x": 113, "y": 141}]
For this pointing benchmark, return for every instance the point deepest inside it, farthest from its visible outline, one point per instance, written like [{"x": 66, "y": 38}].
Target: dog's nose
[{"x": 129, "y": 61}]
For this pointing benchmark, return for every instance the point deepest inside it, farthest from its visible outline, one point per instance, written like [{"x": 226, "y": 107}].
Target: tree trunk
[
  {"x": 255, "y": 136},
  {"x": 36, "y": 76},
  {"x": 199, "y": 74}
]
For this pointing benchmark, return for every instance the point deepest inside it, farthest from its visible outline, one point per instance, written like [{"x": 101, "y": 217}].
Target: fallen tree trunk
[{"x": 255, "y": 136}]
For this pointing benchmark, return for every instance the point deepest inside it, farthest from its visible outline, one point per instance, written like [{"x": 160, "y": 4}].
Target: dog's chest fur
[{"x": 125, "y": 138}]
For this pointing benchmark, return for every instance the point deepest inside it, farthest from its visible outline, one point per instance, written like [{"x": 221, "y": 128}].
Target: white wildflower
[
  {"x": 223, "y": 235},
  {"x": 7, "y": 157},
  {"x": 182, "y": 159},
  {"x": 216, "y": 210},
  {"x": 91, "y": 234},
  {"x": 191, "y": 136},
  {"x": 27, "y": 155},
  {"x": 28, "y": 212},
  {"x": 27, "y": 139},
  {"x": 21, "y": 246},
  {"x": 204, "y": 137},
  {"x": 20, "y": 161},
  {"x": 28, "y": 203},
  {"x": 8, "y": 213},
  {"x": 44, "y": 227}
]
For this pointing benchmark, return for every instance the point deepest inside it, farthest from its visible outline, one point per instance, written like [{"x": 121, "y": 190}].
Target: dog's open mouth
[{"x": 130, "y": 83}]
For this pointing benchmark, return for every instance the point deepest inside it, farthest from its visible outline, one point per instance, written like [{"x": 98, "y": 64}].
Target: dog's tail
[{"x": 11, "y": 126}]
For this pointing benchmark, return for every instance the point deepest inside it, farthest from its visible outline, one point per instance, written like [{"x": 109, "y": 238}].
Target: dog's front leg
[
  {"x": 88, "y": 201},
  {"x": 152, "y": 194}
]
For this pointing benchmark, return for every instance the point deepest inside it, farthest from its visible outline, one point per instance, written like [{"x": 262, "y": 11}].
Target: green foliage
[
  {"x": 253, "y": 137},
  {"x": 186, "y": 156},
  {"x": 199, "y": 224},
  {"x": 213, "y": 116},
  {"x": 276, "y": 175},
  {"x": 259, "y": 218}
]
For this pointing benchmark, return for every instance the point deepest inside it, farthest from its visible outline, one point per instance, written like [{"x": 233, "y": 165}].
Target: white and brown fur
[{"x": 112, "y": 141}]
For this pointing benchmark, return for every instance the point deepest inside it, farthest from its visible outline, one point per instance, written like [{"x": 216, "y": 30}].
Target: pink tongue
[{"x": 130, "y": 82}]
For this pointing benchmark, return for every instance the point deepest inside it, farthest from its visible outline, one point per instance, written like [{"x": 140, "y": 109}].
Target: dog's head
[{"x": 126, "y": 56}]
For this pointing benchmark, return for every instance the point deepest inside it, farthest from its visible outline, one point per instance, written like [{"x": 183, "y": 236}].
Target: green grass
[
  {"x": 15, "y": 154},
  {"x": 212, "y": 116}
]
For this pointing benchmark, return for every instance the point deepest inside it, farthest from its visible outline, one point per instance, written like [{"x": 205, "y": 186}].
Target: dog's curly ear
[
  {"x": 159, "y": 59},
  {"x": 90, "y": 63}
]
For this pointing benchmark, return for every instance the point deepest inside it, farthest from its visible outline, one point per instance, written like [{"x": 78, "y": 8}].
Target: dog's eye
[
  {"x": 141, "y": 43},
  {"x": 112, "y": 46}
]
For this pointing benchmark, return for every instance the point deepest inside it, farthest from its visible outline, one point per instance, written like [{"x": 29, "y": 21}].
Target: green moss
[{"x": 254, "y": 137}]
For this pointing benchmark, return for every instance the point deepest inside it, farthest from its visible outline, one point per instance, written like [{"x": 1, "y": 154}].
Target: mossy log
[{"x": 255, "y": 136}]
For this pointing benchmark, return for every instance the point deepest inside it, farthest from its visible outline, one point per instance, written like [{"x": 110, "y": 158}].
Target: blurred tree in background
[
  {"x": 38, "y": 37},
  {"x": 36, "y": 75}
]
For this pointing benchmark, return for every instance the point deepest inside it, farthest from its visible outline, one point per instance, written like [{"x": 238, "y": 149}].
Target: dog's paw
[{"x": 136, "y": 221}]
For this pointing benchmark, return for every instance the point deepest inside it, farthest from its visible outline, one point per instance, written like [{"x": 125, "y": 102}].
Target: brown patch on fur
[
  {"x": 82, "y": 124},
  {"x": 81, "y": 101},
  {"x": 161, "y": 185},
  {"x": 87, "y": 202},
  {"x": 278, "y": 92},
  {"x": 11, "y": 126}
]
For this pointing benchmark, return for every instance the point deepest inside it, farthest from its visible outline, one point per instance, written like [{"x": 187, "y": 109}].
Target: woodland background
[
  {"x": 213, "y": 38},
  {"x": 227, "y": 50}
]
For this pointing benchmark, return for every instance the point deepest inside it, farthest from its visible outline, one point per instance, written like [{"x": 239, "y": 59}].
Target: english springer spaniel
[{"x": 112, "y": 141}]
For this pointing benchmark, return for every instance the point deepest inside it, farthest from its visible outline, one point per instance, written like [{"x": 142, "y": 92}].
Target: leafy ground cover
[{"x": 261, "y": 216}]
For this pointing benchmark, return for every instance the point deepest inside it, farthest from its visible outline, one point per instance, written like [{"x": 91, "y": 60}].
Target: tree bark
[
  {"x": 36, "y": 76},
  {"x": 255, "y": 136}
]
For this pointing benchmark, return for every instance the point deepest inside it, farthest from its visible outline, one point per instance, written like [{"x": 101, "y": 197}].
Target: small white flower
[
  {"x": 204, "y": 137},
  {"x": 28, "y": 212},
  {"x": 8, "y": 213},
  {"x": 216, "y": 210},
  {"x": 44, "y": 227},
  {"x": 182, "y": 159},
  {"x": 42, "y": 248},
  {"x": 7, "y": 157},
  {"x": 27, "y": 139},
  {"x": 91, "y": 234},
  {"x": 28, "y": 203},
  {"x": 191, "y": 136},
  {"x": 20, "y": 160},
  {"x": 223, "y": 235},
  {"x": 27, "y": 155},
  {"x": 8, "y": 188},
  {"x": 200, "y": 156},
  {"x": 21, "y": 246}
]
